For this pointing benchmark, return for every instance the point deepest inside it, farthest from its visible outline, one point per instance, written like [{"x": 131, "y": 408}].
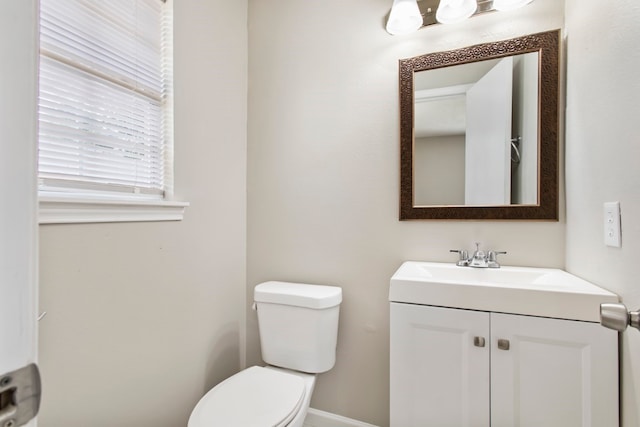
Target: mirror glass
[
  {"x": 479, "y": 133},
  {"x": 476, "y": 128}
]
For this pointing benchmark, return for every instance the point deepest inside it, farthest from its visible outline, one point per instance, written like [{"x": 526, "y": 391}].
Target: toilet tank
[{"x": 298, "y": 324}]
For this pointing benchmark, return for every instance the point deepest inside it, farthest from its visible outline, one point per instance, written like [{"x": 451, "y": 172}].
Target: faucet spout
[{"x": 479, "y": 259}]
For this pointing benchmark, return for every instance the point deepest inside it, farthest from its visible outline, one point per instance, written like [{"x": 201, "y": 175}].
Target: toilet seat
[{"x": 257, "y": 397}]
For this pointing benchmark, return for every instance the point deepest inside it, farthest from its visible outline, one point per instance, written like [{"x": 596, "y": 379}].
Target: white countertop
[{"x": 544, "y": 292}]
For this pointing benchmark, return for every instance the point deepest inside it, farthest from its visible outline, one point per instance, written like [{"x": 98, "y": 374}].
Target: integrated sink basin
[{"x": 545, "y": 292}]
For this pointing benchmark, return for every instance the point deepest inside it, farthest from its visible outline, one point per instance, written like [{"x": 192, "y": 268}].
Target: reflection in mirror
[
  {"x": 476, "y": 129},
  {"x": 479, "y": 131}
]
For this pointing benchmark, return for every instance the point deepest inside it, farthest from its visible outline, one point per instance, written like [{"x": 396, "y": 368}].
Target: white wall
[
  {"x": 525, "y": 179},
  {"x": 143, "y": 318},
  {"x": 602, "y": 151},
  {"x": 323, "y": 173},
  {"x": 137, "y": 342},
  {"x": 438, "y": 171}
]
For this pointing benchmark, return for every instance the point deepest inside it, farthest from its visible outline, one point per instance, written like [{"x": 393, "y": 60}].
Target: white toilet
[{"x": 298, "y": 334}]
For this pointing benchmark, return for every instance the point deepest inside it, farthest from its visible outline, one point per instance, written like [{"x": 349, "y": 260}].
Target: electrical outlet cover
[{"x": 612, "y": 225}]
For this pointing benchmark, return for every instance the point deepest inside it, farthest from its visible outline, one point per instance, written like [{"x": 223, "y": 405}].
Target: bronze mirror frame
[{"x": 547, "y": 44}]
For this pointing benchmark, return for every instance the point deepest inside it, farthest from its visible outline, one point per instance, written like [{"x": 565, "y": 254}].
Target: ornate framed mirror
[{"x": 479, "y": 131}]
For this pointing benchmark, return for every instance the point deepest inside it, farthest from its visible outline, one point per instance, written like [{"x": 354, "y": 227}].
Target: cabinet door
[
  {"x": 555, "y": 373},
  {"x": 438, "y": 376}
]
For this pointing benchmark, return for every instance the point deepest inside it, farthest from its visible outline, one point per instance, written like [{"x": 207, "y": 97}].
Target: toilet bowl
[
  {"x": 298, "y": 326},
  {"x": 256, "y": 397}
]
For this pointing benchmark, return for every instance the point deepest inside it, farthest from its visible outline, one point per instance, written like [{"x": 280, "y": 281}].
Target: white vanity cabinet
[{"x": 455, "y": 367}]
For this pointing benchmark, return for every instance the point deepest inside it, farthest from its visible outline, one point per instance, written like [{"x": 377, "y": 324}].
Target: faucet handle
[
  {"x": 463, "y": 259},
  {"x": 492, "y": 258}
]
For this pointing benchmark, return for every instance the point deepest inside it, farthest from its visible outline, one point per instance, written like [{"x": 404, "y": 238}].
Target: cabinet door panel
[
  {"x": 556, "y": 373},
  {"x": 438, "y": 376}
]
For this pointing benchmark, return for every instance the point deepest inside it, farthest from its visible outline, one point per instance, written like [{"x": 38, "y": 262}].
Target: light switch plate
[{"x": 612, "y": 225}]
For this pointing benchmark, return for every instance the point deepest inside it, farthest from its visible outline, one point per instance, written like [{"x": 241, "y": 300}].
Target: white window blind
[{"x": 105, "y": 108}]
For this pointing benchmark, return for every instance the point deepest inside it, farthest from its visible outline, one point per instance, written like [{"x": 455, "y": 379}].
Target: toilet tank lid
[{"x": 298, "y": 294}]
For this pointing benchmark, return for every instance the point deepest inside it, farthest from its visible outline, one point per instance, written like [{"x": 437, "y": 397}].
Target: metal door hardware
[
  {"x": 504, "y": 344},
  {"x": 615, "y": 316},
  {"x": 478, "y": 341},
  {"x": 19, "y": 396}
]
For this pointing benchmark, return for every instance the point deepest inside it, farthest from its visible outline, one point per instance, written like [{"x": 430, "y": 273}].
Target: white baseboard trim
[{"x": 318, "y": 418}]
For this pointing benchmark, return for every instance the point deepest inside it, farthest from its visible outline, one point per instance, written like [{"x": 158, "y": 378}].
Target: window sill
[{"x": 74, "y": 210}]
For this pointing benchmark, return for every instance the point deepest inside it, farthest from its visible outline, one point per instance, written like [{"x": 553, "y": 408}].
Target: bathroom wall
[
  {"x": 603, "y": 93},
  {"x": 439, "y": 159},
  {"x": 143, "y": 318},
  {"x": 323, "y": 174}
]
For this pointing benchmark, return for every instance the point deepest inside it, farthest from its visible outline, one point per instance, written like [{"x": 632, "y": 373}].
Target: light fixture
[
  {"x": 454, "y": 11},
  {"x": 408, "y": 16},
  {"x": 404, "y": 18}
]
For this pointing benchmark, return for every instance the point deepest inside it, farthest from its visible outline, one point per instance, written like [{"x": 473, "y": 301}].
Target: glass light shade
[
  {"x": 509, "y": 4},
  {"x": 453, "y": 11},
  {"x": 404, "y": 18}
]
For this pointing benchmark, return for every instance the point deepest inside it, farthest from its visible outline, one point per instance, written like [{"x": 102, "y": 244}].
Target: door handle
[
  {"x": 615, "y": 316},
  {"x": 19, "y": 396}
]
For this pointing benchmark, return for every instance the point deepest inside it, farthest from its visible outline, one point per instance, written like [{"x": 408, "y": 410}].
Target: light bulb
[
  {"x": 404, "y": 18},
  {"x": 453, "y": 11}
]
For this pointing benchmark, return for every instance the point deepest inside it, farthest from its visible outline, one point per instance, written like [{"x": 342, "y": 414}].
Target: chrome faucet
[{"x": 479, "y": 259}]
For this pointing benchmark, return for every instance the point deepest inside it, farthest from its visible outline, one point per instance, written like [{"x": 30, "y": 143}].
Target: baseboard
[{"x": 318, "y": 418}]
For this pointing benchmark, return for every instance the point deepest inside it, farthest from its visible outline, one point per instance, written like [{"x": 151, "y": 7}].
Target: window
[{"x": 105, "y": 105}]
